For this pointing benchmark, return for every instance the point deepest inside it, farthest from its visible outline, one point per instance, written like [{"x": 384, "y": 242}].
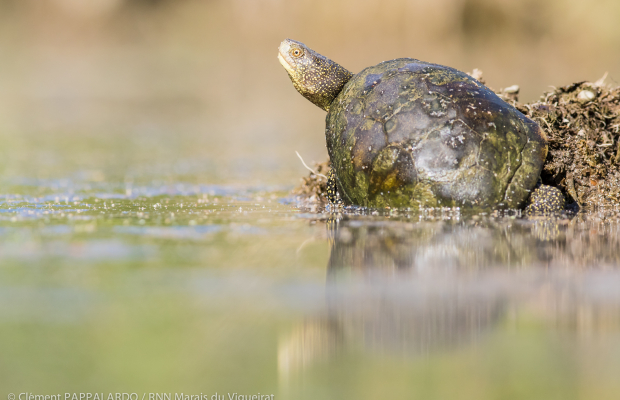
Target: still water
[{"x": 188, "y": 288}]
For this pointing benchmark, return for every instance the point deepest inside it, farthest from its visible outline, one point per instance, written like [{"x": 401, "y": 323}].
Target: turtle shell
[{"x": 407, "y": 133}]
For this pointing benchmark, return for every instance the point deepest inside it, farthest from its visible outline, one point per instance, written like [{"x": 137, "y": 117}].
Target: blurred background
[{"x": 144, "y": 89}]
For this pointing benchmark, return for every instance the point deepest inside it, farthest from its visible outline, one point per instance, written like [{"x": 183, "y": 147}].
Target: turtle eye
[{"x": 297, "y": 52}]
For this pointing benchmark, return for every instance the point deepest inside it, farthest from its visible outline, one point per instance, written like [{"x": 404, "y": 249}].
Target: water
[{"x": 139, "y": 286}]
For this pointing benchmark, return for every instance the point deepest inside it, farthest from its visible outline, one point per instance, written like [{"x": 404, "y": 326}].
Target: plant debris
[
  {"x": 582, "y": 123},
  {"x": 313, "y": 188}
]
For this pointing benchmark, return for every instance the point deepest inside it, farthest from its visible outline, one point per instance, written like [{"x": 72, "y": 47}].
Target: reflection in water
[{"x": 395, "y": 286}]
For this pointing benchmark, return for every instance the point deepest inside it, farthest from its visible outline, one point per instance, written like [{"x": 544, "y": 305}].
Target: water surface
[{"x": 197, "y": 288}]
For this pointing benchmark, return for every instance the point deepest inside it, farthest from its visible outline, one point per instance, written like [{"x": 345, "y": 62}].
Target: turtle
[{"x": 410, "y": 133}]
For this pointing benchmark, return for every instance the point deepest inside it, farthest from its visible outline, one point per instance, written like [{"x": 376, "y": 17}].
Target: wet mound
[{"x": 582, "y": 122}]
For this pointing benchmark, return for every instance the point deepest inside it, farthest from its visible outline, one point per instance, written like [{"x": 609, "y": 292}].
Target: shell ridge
[
  {"x": 510, "y": 179},
  {"x": 342, "y": 192}
]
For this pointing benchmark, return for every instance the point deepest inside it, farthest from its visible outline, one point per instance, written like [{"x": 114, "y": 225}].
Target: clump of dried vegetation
[
  {"x": 582, "y": 123},
  {"x": 313, "y": 188}
]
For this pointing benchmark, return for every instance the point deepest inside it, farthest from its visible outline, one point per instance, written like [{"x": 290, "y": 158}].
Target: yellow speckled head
[{"x": 316, "y": 77}]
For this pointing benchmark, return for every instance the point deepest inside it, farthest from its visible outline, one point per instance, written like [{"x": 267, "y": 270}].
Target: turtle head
[{"x": 316, "y": 77}]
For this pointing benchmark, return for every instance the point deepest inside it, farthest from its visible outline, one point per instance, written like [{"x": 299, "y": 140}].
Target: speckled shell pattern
[{"x": 407, "y": 133}]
